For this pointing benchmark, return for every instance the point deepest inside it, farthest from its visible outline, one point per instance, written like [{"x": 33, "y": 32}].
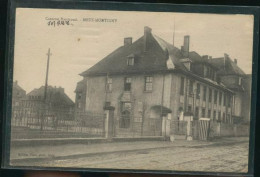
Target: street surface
[{"x": 220, "y": 157}]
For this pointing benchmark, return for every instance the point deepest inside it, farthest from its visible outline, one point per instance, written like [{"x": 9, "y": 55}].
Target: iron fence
[{"x": 26, "y": 119}]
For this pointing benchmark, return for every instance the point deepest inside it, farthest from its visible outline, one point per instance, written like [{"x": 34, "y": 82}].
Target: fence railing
[
  {"x": 57, "y": 121},
  {"x": 179, "y": 127},
  {"x": 130, "y": 126}
]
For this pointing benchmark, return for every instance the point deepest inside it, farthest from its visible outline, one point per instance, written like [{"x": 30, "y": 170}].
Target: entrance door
[{"x": 125, "y": 119}]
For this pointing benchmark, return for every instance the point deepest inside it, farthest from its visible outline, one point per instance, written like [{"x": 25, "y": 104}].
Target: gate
[
  {"x": 179, "y": 129},
  {"x": 195, "y": 129},
  {"x": 126, "y": 125},
  {"x": 123, "y": 125},
  {"x": 154, "y": 127}
]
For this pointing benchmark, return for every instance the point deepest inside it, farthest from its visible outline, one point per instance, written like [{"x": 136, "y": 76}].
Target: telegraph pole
[
  {"x": 47, "y": 75},
  {"x": 173, "y": 33},
  {"x": 45, "y": 89}
]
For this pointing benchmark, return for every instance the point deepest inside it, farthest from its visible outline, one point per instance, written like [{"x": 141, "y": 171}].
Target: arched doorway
[{"x": 125, "y": 119}]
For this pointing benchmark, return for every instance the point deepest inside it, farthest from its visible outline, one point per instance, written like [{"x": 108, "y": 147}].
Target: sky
[{"x": 79, "y": 45}]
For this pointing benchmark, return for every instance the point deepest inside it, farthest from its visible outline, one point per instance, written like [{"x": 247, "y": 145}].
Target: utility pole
[
  {"x": 45, "y": 89},
  {"x": 173, "y": 32},
  {"x": 47, "y": 75}
]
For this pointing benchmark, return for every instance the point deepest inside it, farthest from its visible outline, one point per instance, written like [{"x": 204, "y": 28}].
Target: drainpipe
[{"x": 162, "y": 105}]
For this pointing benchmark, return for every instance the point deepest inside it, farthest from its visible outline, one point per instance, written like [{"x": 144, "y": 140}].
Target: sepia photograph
[{"x": 131, "y": 90}]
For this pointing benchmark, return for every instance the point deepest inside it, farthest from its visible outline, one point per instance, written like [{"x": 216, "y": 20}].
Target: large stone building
[{"x": 150, "y": 79}]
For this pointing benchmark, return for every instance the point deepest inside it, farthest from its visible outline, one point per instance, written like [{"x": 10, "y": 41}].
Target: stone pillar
[
  {"x": 235, "y": 130},
  {"x": 109, "y": 122},
  {"x": 164, "y": 118},
  {"x": 189, "y": 131},
  {"x": 166, "y": 129},
  {"x": 168, "y": 125}
]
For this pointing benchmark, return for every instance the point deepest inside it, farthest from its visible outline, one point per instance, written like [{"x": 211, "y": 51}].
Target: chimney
[
  {"x": 16, "y": 82},
  {"x": 147, "y": 33},
  {"x": 186, "y": 46},
  {"x": 235, "y": 61},
  {"x": 225, "y": 58},
  {"x": 127, "y": 41}
]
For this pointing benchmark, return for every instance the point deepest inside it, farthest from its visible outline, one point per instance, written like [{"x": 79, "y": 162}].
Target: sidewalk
[{"x": 79, "y": 150}]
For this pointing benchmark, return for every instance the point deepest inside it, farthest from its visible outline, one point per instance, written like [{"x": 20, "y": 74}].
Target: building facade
[
  {"x": 18, "y": 94},
  {"x": 56, "y": 104},
  {"x": 150, "y": 79}
]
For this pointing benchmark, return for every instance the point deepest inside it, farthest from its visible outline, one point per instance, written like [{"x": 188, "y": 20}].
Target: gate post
[
  {"x": 189, "y": 130},
  {"x": 109, "y": 122}
]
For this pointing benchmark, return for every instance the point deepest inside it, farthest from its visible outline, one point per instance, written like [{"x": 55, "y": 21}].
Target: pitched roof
[
  {"x": 154, "y": 58},
  {"x": 54, "y": 95},
  {"x": 17, "y": 87},
  {"x": 158, "y": 56},
  {"x": 226, "y": 66}
]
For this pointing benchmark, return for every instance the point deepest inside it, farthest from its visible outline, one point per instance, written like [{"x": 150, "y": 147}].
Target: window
[
  {"x": 208, "y": 72},
  {"x": 239, "y": 80},
  {"x": 205, "y": 71},
  {"x": 148, "y": 83},
  {"x": 209, "y": 113},
  {"x": 79, "y": 105},
  {"x": 228, "y": 100},
  {"x": 224, "y": 103},
  {"x": 215, "y": 96},
  {"x": 203, "y": 112},
  {"x": 204, "y": 93},
  {"x": 214, "y": 115},
  {"x": 126, "y": 106},
  {"x": 107, "y": 103},
  {"x": 189, "y": 109},
  {"x": 220, "y": 98},
  {"x": 229, "y": 118},
  {"x": 197, "y": 112},
  {"x": 182, "y": 86},
  {"x": 212, "y": 74},
  {"x": 198, "y": 91},
  {"x": 224, "y": 117},
  {"x": 109, "y": 85},
  {"x": 191, "y": 87},
  {"x": 219, "y": 115},
  {"x": 210, "y": 95},
  {"x": 79, "y": 96},
  {"x": 128, "y": 81},
  {"x": 130, "y": 61}
]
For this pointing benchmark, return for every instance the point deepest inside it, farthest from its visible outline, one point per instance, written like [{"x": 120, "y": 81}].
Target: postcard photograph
[{"x": 131, "y": 90}]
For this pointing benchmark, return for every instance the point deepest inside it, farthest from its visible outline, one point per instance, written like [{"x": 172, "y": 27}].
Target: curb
[{"x": 212, "y": 144}]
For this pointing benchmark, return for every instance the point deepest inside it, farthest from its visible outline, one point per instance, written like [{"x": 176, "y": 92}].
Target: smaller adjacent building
[
  {"x": 56, "y": 104},
  {"x": 56, "y": 98},
  {"x": 80, "y": 99},
  {"x": 18, "y": 94}
]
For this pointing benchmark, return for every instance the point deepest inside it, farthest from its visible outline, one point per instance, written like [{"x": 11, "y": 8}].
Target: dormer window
[
  {"x": 239, "y": 80},
  {"x": 130, "y": 60},
  {"x": 186, "y": 62},
  {"x": 109, "y": 85}
]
